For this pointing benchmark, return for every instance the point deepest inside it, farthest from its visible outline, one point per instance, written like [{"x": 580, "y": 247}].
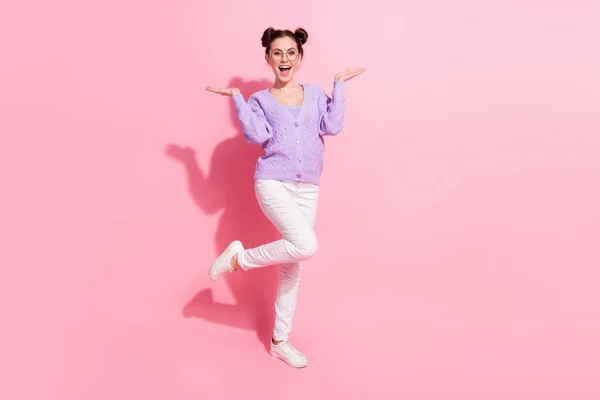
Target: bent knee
[{"x": 307, "y": 246}]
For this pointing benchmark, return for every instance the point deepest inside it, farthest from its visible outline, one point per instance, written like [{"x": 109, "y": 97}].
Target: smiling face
[{"x": 284, "y": 58}]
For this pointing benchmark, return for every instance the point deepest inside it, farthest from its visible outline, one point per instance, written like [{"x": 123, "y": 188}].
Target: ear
[{"x": 267, "y": 58}]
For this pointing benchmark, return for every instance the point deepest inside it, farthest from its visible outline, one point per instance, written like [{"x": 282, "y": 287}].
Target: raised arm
[
  {"x": 255, "y": 127},
  {"x": 331, "y": 109}
]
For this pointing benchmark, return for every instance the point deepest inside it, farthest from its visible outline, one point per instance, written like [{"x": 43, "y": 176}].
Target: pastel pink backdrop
[{"x": 459, "y": 218}]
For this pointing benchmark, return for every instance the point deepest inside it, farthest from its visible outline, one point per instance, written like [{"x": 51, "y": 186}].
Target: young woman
[{"x": 289, "y": 121}]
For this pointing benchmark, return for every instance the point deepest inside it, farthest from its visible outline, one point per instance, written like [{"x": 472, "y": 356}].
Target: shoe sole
[{"x": 279, "y": 357}]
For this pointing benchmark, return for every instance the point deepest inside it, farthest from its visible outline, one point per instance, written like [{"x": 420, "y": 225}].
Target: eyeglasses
[{"x": 291, "y": 54}]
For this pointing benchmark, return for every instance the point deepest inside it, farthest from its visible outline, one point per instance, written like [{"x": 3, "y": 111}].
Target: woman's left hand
[{"x": 348, "y": 74}]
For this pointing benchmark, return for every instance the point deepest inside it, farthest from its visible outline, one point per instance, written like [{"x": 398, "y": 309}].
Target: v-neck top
[
  {"x": 291, "y": 136},
  {"x": 295, "y": 110}
]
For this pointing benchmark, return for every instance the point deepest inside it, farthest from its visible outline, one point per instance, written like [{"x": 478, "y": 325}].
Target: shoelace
[{"x": 290, "y": 350}]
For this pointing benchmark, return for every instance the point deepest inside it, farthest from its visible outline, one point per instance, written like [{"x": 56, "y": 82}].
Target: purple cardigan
[{"x": 293, "y": 147}]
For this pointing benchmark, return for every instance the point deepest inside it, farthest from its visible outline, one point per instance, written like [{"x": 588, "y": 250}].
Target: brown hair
[{"x": 271, "y": 34}]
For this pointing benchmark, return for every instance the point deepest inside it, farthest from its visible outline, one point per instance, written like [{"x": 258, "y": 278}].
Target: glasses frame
[{"x": 286, "y": 54}]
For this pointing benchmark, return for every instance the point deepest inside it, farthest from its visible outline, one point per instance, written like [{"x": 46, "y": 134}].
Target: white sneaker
[
  {"x": 287, "y": 353},
  {"x": 222, "y": 266}
]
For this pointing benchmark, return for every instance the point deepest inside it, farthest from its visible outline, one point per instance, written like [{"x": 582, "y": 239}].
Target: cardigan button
[
  {"x": 298, "y": 176},
  {"x": 296, "y": 124},
  {"x": 298, "y": 141}
]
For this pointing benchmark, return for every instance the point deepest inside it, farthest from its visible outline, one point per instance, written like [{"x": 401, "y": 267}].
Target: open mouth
[{"x": 285, "y": 70}]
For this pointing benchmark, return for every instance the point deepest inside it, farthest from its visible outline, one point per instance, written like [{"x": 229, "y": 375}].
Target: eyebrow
[{"x": 291, "y": 48}]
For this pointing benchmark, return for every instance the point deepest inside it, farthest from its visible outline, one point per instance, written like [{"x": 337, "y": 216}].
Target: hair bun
[
  {"x": 266, "y": 37},
  {"x": 302, "y": 35}
]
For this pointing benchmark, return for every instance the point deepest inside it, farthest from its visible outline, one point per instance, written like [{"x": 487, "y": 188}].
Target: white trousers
[{"x": 291, "y": 207}]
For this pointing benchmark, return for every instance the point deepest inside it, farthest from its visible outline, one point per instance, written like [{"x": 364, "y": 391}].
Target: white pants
[{"x": 291, "y": 207}]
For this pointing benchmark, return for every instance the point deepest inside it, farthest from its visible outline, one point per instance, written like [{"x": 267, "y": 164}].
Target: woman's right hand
[{"x": 224, "y": 91}]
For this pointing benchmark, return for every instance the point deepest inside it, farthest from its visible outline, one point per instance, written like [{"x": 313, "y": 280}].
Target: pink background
[{"x": 459, "y": 218}]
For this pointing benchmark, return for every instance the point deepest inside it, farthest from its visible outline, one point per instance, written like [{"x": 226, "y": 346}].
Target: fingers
[
  {"x": 348, "y": 74},
  {"x": 356, "y": 72},
  {"x": 216, "y": 90},
  {"x": 223, "y": 91}
]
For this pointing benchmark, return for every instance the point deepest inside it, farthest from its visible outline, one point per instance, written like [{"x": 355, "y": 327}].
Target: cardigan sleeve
[
  {"x": 255, "y": 127},
  {"x": 331, "y": 110}
]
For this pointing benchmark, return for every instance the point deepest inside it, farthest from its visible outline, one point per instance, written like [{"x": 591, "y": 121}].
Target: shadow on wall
[{"x": 230, "y": 188}]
